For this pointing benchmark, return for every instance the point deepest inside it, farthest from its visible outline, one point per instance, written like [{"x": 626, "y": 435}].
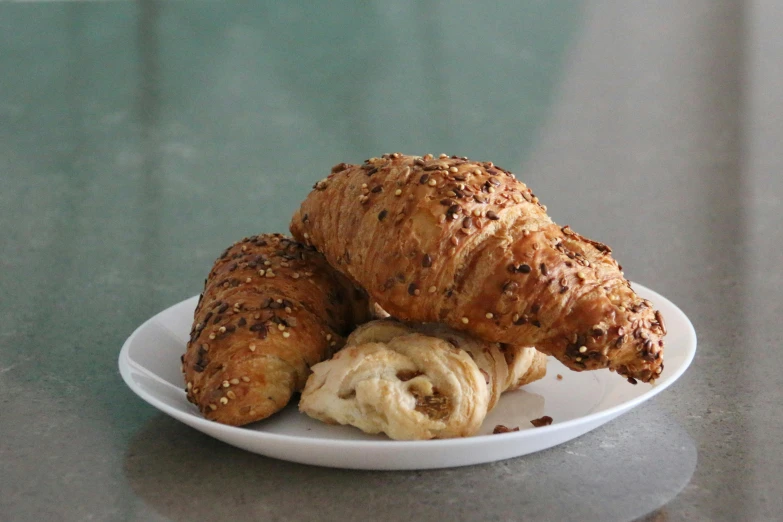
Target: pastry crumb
[
  {"x": 559, "y": 377},
  {"x": 546, "y": 420},
  {"x": 503, "y": 429}
]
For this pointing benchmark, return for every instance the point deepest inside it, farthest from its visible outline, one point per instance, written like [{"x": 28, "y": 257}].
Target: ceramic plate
[{"x": 578, "y": 402}]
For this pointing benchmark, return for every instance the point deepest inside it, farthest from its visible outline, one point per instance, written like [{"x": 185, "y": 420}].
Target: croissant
[
  {"x": 391, "y": 379},
  {"x": 464, "y": 243},
  {"x": 271, "y": 308}
]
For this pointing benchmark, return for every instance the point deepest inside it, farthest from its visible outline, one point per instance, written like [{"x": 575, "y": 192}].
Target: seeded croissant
[
  {"x": 271, "y": 308},
  {"x": 464, "y": 243}
]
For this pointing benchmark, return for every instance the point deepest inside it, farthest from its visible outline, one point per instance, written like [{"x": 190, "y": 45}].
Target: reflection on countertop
[{"x": 185, "y": 475}]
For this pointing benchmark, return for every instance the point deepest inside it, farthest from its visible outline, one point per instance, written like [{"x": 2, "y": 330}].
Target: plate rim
[{"x": 127, "y": 365}]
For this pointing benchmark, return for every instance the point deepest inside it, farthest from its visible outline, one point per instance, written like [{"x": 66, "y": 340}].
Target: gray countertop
[{"x": 138, "y": 139}]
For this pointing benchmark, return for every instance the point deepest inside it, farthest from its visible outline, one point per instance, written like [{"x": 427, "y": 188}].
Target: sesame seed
[
  {"x": 261, "y": 272},
  {"x": 252, "y": 347},
  {"x": 582, "y": 349},
  {"x": 306, "y": 235},
  {"x": 333, "y": 343},
  {"x": 226, "y": 384},
  {"x": 443, "y": 156},
  {"x": 328, "y": 337},
  {"x": 268, "y": 263},
  {"x": 515, "y": 318},
  {"x": 288, "y": 309},
  {"x": 212, "y": 407},
  {"x": 286, "y": 334},
  {"x": 245, "y": 378},
  {"x": 281, "y": 327},
  {"x": 234, "y": 381},
  {"x": 249, "y": 279},
  {"x": 661, "y": 323},
  {"x": 432, "y": 183},
  {"x": 211, "y": 336},
  {"x": 490, "y": 315},
  {"x": 578, "y": 359},
  {"x": 398, "y": 192},
  {"x": 465, "y": 320},
  {"x": 231, "y": 395},
  {"x": 477, "y": 172},
  {"x": 432, "y": 289},
  {"x": 190, "y": 385},
  {"x": 442, "y": 218},
  {"x": 454, "y": 240},
  {"x": 581, "y": 275},
  {"x": 223, "y": 401},
  {"x": 279, "y": 301},
  {"x": 453, "y": 169},
  {"x": 364, "y": 185}
]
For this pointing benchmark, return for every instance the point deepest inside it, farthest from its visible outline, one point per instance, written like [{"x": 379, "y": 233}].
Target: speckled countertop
[{"x": 137, "y": 139}]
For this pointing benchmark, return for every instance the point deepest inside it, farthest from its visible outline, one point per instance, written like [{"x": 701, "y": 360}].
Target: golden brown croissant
[
  {"x": 464, "y": 243},
  {"x": 271, "y": 308}
]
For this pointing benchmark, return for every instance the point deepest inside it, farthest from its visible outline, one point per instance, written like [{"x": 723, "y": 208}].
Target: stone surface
[{"x": 139, "y": 139}]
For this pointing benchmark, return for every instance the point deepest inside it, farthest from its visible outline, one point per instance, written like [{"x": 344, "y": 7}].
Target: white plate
[{"x": 580, "y": 402}]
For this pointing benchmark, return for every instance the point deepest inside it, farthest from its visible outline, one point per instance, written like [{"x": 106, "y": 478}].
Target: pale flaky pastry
[{"x": 415, "y": 381}]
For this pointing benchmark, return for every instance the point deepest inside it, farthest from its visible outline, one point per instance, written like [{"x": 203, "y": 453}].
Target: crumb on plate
[{"x": 546, "y": 420}]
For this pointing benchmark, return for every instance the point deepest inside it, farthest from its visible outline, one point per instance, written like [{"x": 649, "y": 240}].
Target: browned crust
[
  {"x": 271, "y": 308},
  {"x": 464, "y": 243}
]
